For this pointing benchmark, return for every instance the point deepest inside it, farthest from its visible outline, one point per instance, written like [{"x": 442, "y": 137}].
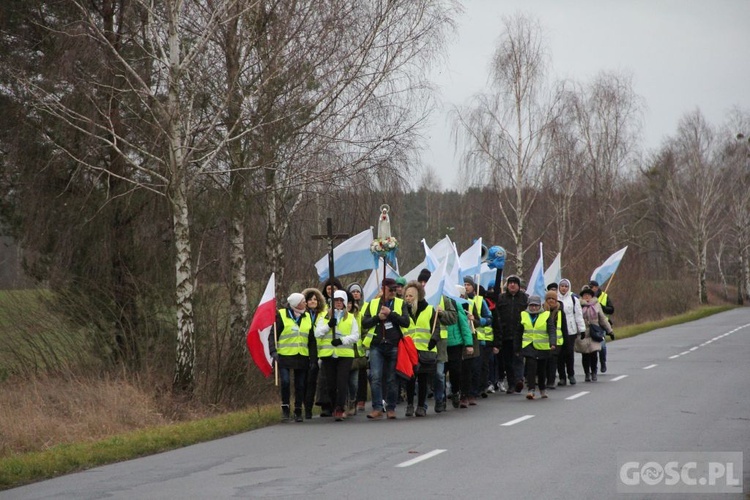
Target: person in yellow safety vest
[
  {"x": 425, "y": 332},
  {"x": 383, "y": 320},
  {"x": 538, "y": 339},
  {"x": 288, "y": 345},
  {"x": 447, "y": 316},
  {"x": 480, "y": 314},
  {"x": 359, "y": 364},
  {"x": 557, "y": 316},
  {"x": 337, "y": 338},
  {"x": 609, "y": 309},
  {"x": 316, "y": 309}
]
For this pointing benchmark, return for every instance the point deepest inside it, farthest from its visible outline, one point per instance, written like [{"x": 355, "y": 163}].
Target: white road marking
[
  {"x": 576, "y": 396},
  {"x": 514, "y": 422},
  {"x": 619, "y": 378},
  {"x": 684, "y": 352},
  {"x": 693, "y": 348},
  {"x": 675, "y": 356},
  {"x": 649, "y": 367},
  {"x": 420, "y": 458}
]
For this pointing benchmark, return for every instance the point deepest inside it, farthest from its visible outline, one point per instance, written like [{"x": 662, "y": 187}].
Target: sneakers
[
  {"x": 391, "y": 414},
  {"x": 519, "y": 385},
  {"x": 501, "y": 386},
  {"x": 472, "y": 401},
  {"x": 572, "y": 380},
  {"x": 464, "y": 403},
  {"x": 552, "y": 385},
  {"x": 298, "y": 414},
  {"x": 338, "y": 415},
  {"x": 530, "y": 395},
  {"x": 409, "y": 411},
  {"x": 455, "y": 400},
  {"x": 285, "y": 413},
  {"x": 588, "y": 378},
  {"x": 440, "y": 407},
  {"x": 308, "y": 414},
  {"x": 563, "y": 382},
  {"x": 351, "y": 409},
  {"x": 375, "y": 415},
  {"x": 490, "y": 389},
  {"x": 543, "y": 394},
  {"x": 483, "y": 394},
  {"x": 604, "y": 367},
  {"x": 421, "y": 412},
  {"x": 360, "y": 406},
  {"x": 593, "y": 377}
]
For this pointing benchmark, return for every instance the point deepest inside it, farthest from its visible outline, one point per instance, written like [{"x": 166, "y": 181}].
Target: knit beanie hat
[
  {"x": 535, "y": 300},
  {"x": 295, "y": 301},
  {"x": 470, "y": 281},
  {"x": 354, "y": 287},
  {"x": 550, "y": 295}
]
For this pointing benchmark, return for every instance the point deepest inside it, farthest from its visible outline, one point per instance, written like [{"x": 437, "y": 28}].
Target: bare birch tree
[
  {"x": 505, "y": 131},
  {"x": 694, "y": 193},
  {"x": 608, "y": 117},
  {"x": 176, "y": 139}
]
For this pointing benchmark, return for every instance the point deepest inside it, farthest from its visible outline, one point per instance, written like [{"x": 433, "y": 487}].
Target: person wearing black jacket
[
  {"x": 383, "y": 320},
  {"x": 507, "y": 331},
  {"x": 609, "y": 309}
]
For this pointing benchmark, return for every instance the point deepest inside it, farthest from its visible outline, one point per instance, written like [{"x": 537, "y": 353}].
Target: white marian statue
[{"x": 384, "y": 223}]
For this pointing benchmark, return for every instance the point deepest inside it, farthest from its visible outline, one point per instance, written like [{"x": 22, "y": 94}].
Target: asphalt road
[{"x": 679, "y": 389}]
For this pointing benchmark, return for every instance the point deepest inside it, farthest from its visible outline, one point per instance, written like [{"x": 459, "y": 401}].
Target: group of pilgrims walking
[{"x": 331, "y": 347}]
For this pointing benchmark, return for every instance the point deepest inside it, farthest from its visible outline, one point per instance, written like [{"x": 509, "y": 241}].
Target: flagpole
[
  {"x": 609, "y": 281},
  {"x": 276, "y": 361}
]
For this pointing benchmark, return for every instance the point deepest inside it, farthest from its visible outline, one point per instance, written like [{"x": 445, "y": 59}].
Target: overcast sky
[{"x": 682, "y": 54}]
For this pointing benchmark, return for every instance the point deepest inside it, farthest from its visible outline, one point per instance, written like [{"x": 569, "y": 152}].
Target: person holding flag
[
  {"x": 288, "y": 346},
  {"x": 337, "y": 334},
  {"x": 601, "y": 275}
]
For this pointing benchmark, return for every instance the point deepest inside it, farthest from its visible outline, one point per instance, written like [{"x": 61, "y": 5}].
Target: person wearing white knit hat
[{"x": 289, "y": 347}]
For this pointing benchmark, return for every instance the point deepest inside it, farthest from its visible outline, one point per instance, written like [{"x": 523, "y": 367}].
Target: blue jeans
[
  {"x": 300, "y": 380},
  {"x": 383, "y": 365},
  {"x": 439, "y": 382}
]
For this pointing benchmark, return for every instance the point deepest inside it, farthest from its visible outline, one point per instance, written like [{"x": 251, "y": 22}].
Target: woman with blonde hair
[{"x": 425, "y": 333}]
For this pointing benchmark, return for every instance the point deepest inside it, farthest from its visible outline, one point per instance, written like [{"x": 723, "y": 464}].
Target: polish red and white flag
[{"x": 260, "y": 327}]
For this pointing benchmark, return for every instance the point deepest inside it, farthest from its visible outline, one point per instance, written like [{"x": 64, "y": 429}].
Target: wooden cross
[{"x": 330, "y": 237}]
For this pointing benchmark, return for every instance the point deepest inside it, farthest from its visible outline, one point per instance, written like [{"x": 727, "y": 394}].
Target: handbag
[
  {"x": 596, "y": 332},
  {"x": 427, "y": 358}
]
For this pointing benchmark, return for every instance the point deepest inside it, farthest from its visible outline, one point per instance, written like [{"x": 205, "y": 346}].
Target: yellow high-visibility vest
[
  {"x": 293, "y": 338},
  {"x": 535, "y": 333}
]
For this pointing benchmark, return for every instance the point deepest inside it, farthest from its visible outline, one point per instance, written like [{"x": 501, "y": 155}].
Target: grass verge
[
  {"x": 692, "y": 315},
  {"x": 63, "y": 459}
]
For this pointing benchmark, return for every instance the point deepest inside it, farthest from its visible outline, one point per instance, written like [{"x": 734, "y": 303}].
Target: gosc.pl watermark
[{"x": 679, "y": 472}]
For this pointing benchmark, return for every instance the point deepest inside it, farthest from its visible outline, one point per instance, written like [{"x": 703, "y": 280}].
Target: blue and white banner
[
  {"x": 602, "y": 273},
  {"x": 553, "y": 274},
  {"x": 536, "y": 282},
  {"x": 471, "y": 260},
  {"x": 373, "y": 283},
  {"x": 433, "y": 289},
  {"x": 351, "y": 256}
]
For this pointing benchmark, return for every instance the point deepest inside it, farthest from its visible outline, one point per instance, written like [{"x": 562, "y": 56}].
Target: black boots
[
  {"x": 298, "y": 414},
  {"x": 285, "y": 413}
]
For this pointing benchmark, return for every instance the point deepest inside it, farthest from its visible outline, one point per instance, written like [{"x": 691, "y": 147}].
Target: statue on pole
[{"x": 385, "y": 245}]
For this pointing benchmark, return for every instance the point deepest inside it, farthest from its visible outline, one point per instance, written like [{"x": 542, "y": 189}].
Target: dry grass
[{"x": 44, "y": 412}]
